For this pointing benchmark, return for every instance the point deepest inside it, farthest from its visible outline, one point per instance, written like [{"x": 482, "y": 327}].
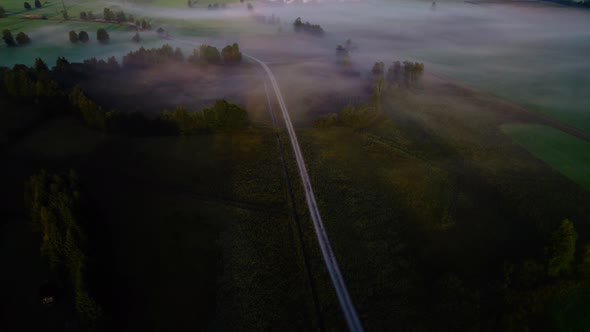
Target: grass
[
  {"x": 434, "y": 189},
  {"x": 565, "y": 153}
]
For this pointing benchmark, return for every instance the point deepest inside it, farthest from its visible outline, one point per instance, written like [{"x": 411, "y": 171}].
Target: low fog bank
[{"x": 531, "y": 53}]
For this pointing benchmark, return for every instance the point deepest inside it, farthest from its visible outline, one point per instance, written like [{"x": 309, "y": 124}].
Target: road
[{"x": 346, "y": 304}]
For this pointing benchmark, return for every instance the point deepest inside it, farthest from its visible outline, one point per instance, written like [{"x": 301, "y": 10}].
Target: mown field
[{"x": 567, "y": 154}]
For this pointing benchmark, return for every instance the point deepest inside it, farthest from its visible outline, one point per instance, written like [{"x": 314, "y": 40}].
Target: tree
[
  {"x": 38, "y": 4},
  {"x": 136, "y": 38},
  {"x": 102, "y": 36},
  {"x": 2, "y": 12},
  {"x": 144, "y": 24},
  {"x": 107, "y": 14},
  {"x": 190, "y": 4},
  {"x": 250, "y": 7},
  {"x": 378, "y": 69},
  {"x": 91, "y": 15},
  {"x": 22, "y": 38},
  {"x": 40, "y": 66},
  {"x": 83, "y": 16},
  {"x": 8, "y": 38},
  {"x": 83, "y": 36},
  {"x": 73, "y": 37},
  {"x": 27, "y": 6},
  {"x": 561, "y": 249},
  {"x": 231, "y": 54}
]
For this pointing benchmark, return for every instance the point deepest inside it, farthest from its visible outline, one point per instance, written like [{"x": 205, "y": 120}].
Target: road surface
[{"x": 346, "y": 304}]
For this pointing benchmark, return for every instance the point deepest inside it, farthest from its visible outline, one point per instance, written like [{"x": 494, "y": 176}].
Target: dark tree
[
  {"x": 2, "y": 12},
  {"x": 231, "y": 54},
  {"x": 102, "y": 36},
  {"x": 561, "y": 250},
  {"x": 136, "y": 38},
  {"x": 107, "y": 14},
  {"x": 378, "y": 69},
  {"x": 62, "y": 65},
  {"x": 144, "y": 25},
  {"x": 38, "y": 4},
  {"x": 83, "y": 37},
  {"x": 91, "y": 15},
  {"x": 40, "y": 66},
  {"x": 83, "y": 16},
  {"x": 22, "y": 38},
  {"x": 73, "y": 37},
  {"x": 8, "y": 38},
  {"x": 160, "y": 31},
  {"x": 27, "y": 6}
]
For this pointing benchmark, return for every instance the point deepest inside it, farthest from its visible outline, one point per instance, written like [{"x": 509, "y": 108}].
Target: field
[{"x": 568, "y": 155}]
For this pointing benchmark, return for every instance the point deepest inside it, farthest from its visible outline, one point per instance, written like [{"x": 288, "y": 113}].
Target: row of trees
[
  {"x": 313, "y": 29},
  {"x": 117, "y": 16},
  {"x": 22, "y": 82},
  {"x": 38, "y": 4},
  {"x": 21, "y": 38},
  {"x": 406, "y": 73},
  {"x": 53, "y": 203},
  {"x": 144, "y": 58},
  {"x": 207, "y": 54},
  {"x": 221, "y": 115},
  {"x": 79, "y": 37},
  {"x": 87, "y": 15},
  {"x": 272, "y": 20}
]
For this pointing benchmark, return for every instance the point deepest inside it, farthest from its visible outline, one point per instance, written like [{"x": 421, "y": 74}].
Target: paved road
[{"x": 346, "y": 304}]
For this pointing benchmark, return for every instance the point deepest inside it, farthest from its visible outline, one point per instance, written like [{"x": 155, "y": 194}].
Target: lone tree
[
  {"x": 561, "y": 250},
  {"x": 38, "y": 4},
  {"x": 27, "y": 6},
  {"x": 22, "y": 38},
  {"x": 8, "y": 39},
  {"x": 83, "y": 36},
  {"x": 102, "y": 36},
  {"x": 136, "y": 38},
  {"x": 74, "y": 37},
  {"x": 83, "y": 16}
]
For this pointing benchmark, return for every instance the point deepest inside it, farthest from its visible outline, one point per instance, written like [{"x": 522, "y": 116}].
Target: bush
[
  {"x": 22, "y": 38},
  {"x": 73, "y": 37},
  {"x": 37, "y": 4},
  {"x": 83, "y": 36},
  {"x": 102, "y": 36},
  {"x": 27, "y": 6},
  {"x": 83, "y": 16}
]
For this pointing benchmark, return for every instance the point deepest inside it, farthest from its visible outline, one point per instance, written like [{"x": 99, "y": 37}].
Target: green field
[{"x": 565, "y": 153}]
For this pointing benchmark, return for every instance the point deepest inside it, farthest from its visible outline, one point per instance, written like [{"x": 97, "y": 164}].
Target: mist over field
[{"x": 447, "y": 144}]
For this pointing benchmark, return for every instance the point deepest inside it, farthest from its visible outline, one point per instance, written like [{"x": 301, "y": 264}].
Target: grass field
[{"x": 567, "y": 154}]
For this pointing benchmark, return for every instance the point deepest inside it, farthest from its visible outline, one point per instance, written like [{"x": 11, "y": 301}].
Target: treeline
[
  {"x": 399, "y": 74},
  {"x": 37, "y": 85},
  {"x": 144, "y": 58},
  {"x": 312, "y": 29},
  {"x": 114, "y": 16},
  {"x": 54, "y": 206},
  {"x": 220, "y": 116}
]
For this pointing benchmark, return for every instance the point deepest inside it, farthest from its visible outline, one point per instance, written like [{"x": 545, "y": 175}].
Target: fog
[{"x": 530, "y": 53}]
